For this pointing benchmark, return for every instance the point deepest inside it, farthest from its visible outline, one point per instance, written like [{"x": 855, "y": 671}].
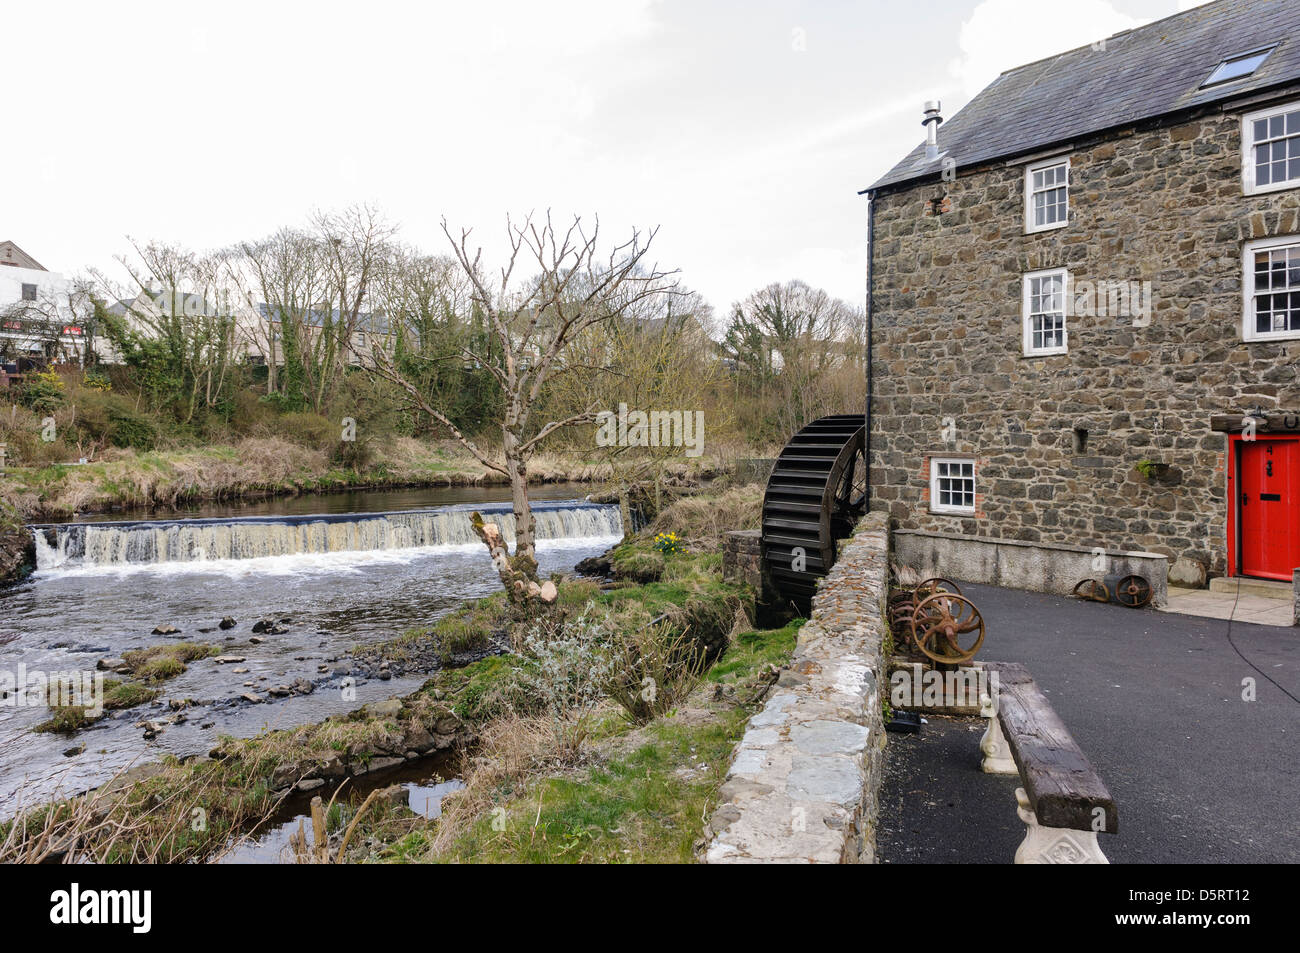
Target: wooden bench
[{"x": 1063, "y": 802}]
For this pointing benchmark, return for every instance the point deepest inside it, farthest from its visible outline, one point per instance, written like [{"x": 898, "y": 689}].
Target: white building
[{"x": 38, "y": 316}]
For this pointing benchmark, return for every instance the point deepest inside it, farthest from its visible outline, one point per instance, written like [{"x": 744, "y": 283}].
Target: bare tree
[
  {"x": 61, "y": 324},
  {"x": 656, "y": 357},
  {"x": 354, "y": 244},
  {"x": 317, "y": 285},
  {"x": 573, "y": 286},
  {"x": 287, "y": 272},
  {"x": 795, "y": 352},
  {"x": 178, "y": 325}
]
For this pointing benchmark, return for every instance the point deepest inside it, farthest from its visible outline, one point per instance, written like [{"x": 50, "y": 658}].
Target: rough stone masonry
[
  {"x": 804, "y": 784},
  {"x": 1056, "y": 440}
]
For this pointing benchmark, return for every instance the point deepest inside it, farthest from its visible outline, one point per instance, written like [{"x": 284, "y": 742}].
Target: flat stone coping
[
  {"x": 804, "y": 781},
  {"x": 1029, "y": 544}
]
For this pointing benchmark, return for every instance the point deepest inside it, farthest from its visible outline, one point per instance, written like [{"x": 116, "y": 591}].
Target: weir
[{"x": 180, "y": 541}]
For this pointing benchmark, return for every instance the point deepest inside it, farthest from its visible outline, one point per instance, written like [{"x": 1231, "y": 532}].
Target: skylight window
[{"x": 1237, "y": 67}]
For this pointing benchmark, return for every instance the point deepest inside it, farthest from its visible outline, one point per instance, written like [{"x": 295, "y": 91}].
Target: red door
[{"x": 1268, "y": 500}]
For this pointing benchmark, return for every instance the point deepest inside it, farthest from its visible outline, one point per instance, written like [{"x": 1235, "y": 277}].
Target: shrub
[
  {"x": 309, "y": 429},
  {"x": 43, "y": 391},
  {"x": 653, "y": 668},
  {"x": 566, "y": 667},
  {"x": 129, "y": 429}
]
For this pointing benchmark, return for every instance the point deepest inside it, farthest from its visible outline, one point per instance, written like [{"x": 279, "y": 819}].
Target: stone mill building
[{"x": 1084, "y": 299}]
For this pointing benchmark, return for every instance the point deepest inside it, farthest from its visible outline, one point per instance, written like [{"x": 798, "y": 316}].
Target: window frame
[
  {"x": 1026, "y": 314},
  {"x": 1264, "y": 52},
  {"x": 35, "y": 291},
  {"x": 949, "y": 509},
  {"x": 1030, "y": 227},
  {"x": 1248, "y": 145},
  {"x": 1248, "y": 331}
]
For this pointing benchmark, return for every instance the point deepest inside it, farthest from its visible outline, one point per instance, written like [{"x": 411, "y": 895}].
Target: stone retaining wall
[
  {"x": 1038, "y": 567},
  {"x": 804, "y": 783},
  {"x": 742, "y": 557},
  {"x": 1295, "y": 595}
]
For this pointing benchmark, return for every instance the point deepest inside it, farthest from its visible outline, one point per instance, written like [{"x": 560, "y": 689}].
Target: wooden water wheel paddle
[
  {"x": 815, "y": 496},
  {"x": 1133, "y": 591},
  {"x": 948, "y": 628}
]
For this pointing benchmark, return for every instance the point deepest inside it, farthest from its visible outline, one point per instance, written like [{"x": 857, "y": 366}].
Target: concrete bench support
[
  {"x": 1054, "y": 845},
  {"x": 1063, "y": 802}
]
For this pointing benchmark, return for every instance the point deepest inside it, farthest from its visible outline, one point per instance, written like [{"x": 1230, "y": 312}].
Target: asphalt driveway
[{"x": 1155, "y": 700}]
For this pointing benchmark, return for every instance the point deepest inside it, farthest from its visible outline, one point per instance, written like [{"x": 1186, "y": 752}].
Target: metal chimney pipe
[{"x": 931, "y": 123}]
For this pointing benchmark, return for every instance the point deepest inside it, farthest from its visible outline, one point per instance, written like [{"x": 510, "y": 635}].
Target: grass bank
[
  {"x": 252, "y": 468},
  {"x": 603, "y": 736}
]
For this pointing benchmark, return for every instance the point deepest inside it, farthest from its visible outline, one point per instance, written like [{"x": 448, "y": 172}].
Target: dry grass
[
  {"x": 705, "y": 518},
  {"x": 513, "y": 748},
  {"x": 906, "y": 577}
]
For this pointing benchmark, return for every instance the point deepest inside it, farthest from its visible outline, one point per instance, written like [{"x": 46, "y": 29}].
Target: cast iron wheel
[
  {"x": 1133, "y": 591},
  {"x": 1092, "y": 589},
  {"x": 941, "y": 622},
  {"x": 815, "y": 496},
  {"x": 929, "y": 587}
]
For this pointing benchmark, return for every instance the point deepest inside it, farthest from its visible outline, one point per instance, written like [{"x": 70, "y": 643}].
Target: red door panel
[{"x": 1268, "y": 500}]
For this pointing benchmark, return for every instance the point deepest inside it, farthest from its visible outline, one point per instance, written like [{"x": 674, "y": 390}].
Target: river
[{"x": 348, "y": 569}]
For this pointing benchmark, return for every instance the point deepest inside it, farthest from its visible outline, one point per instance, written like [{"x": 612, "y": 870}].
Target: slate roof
[{"x": 1142, "y": 74}]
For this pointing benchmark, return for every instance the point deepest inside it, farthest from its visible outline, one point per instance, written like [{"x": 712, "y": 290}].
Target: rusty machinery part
[
  {"x": 948, "y": 628},
  {"x": 815, "y": 496},
  {"x": 1133, "y": 591},
  {"x": 1092, "y": 589},
  {"x": 928, "y": 587}
]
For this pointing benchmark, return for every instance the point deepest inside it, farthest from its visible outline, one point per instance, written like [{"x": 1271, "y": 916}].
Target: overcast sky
[{"x": 743, "y": 129}]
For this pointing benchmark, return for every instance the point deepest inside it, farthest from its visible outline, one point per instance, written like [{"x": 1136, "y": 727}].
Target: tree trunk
[
  {"x": 625, "y": 510},
  {"x": 525, "y": 530},
  {"x": 518, "y": 576}
]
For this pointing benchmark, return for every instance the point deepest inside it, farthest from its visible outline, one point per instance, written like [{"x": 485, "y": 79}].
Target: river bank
[
  {"x": 254, "y": 469},
  {"x": 607, "y": 776}
]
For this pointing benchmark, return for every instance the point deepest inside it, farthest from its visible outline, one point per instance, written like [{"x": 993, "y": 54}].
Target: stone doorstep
[{"x": 1268, "y": 588}]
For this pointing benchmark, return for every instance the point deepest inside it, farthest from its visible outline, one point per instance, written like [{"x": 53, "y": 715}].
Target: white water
[{"x": 107, "y": 545}]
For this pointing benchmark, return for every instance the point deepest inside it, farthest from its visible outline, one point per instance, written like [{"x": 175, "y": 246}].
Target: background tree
[
  {"x": 434, "y": 325},
  {"x": 177, "y": 327},
  {"x": 573, "y": 286},
  {"x": 795, "y": 353},
  {"x": 657, "y": 355}
]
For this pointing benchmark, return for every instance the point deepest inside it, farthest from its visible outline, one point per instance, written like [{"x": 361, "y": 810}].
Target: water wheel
[{"x": 815, "y": 496}]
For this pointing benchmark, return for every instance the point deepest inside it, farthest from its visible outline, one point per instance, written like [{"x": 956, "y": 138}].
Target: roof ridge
[
  {"x": 1133, "y": 29},
  {"x": 1142, "y": 73}
]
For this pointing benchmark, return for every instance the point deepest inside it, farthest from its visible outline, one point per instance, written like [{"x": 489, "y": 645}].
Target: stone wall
[
  {"x": 1038, "y": 567},
  {"x": 1295, "y": 596},
  {"x": 742, "y": 558},
  {"x": 1163, "y": 205},
  {"x": 804, "y": 783}
]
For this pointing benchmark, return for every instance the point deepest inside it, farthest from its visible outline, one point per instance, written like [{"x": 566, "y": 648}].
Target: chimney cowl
[{"x": 931, "y": 122}]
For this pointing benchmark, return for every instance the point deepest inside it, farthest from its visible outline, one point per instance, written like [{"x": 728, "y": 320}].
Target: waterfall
[{"x": 181, "y": 541}]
